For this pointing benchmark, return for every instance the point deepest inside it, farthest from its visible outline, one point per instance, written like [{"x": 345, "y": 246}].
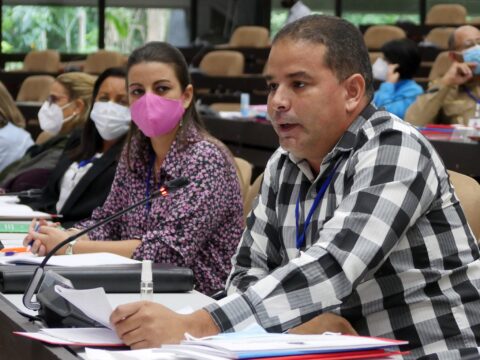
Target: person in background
[
  {"x": 455, "y": 97},
  {"x": 81, "y": 180},
  {"x": 14, "y": 140},
  {"x": 297, "y": 10},
  {"x": 65, "y": 110},
  {"x": 356, "y": 216},
  {"x": 198, "y": 226},
  {"x": 396, "y": 68}
]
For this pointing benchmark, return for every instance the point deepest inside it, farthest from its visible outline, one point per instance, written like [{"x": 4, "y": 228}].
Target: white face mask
[
  {"x": 51, "y": 118},
  {"x": 380, "y": 69},
  {"x": 111, "y": 120}
]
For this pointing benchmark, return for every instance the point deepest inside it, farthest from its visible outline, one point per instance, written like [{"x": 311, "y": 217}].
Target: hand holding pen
[{"x": 32, "y": 241}]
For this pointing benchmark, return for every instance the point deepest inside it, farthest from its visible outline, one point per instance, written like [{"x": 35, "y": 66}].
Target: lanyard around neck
[
  {"x": 300, "y": 241},
  {"x": 147, "y": 181}
]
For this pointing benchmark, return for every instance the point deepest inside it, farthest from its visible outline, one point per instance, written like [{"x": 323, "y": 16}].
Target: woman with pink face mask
[{"x": 199, "y": 225}]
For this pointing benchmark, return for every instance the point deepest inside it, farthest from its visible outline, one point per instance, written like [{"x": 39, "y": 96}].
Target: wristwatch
[{"x": 69, "y": 249}]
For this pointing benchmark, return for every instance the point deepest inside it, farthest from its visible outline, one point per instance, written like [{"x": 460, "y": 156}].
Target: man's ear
[{"x": 354, "y": 91}]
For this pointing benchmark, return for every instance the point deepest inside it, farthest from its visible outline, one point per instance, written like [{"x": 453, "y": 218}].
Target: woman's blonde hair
[
  {"x": 78, "y": 86},
  {"x": 8, "y": 110}
]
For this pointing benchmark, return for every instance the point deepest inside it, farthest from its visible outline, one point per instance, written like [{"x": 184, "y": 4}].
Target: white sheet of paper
[
  {"x": 19, "y": 211},
  {"x": 146, "y": 354},
  {"x": 75, "y": 336},
  {"x": 92, "y": 302},
  {"x": 93, "y": 259}
]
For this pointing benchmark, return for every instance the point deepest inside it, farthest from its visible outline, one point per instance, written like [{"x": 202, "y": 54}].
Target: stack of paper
[
  {"x": 20, "y": 212},
  {"x": 289, "y": 345},
  {"x": 75, "y": 260}
]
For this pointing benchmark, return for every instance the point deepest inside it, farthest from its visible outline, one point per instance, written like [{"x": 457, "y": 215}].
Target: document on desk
[
  {"x": 11, "y": 211},
  {"x": 75, "y": 336},
  {"x": 75, "y": 260},
  {"x": 92, "y": 302}
]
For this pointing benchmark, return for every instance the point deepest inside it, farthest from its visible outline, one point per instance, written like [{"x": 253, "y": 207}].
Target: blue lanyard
[
  {"x": 85, "y": 162},
  {"x": 318, "y": 198},
  {"x": 470, "y": 94}
]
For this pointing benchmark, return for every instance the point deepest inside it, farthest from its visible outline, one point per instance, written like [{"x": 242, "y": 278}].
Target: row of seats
[{"x": 49, "y": 61}]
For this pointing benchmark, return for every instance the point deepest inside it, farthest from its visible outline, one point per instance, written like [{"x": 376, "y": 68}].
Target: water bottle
[{"x": 245, "y": 104}]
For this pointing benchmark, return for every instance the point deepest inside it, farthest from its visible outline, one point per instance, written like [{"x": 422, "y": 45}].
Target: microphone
[
  {"x": 169, "y": 186},
  {"x": 32, "y": 193}
]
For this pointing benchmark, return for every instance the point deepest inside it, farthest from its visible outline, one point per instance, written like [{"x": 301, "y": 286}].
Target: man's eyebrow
[{"x": 295, "y": 75}]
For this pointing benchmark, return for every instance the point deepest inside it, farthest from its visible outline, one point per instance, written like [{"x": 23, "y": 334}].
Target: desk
[
  {"x": 14, "y": 347},
  {"x": 256, "y": 141}
]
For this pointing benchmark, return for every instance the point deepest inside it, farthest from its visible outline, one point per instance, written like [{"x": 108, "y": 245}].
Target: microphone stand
[{"x": 37, "y": 277}]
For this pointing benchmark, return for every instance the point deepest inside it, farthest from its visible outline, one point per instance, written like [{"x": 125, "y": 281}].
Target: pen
[
  {"x": 36, "y": 228},
  {"x": 14, "y": 250}
]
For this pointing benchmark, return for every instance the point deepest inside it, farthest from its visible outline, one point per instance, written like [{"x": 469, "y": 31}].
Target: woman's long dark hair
[
  {"x": 162, "y": 52},
  {"x": 92, "y": 142}
]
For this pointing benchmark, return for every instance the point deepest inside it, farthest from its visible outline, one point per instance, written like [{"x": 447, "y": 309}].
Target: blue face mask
[{"x": 473, "y": 55}]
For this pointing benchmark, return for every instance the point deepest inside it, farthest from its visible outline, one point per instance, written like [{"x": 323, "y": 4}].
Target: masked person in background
[
  {"x": 14, "y": 140},
  {"x": 82, "y": 178},
  {"x": 396, "y": 68},
  {"x": 455, "y": 97},
  {"x": 66, "y": 109},
  {"x": 198, "y": 226}
]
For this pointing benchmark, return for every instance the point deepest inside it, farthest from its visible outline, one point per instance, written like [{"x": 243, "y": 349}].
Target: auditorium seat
[
  {"x": 222, "y": 63},
  {"x": 249, "y": 36},
  {"x": 468, "y": 193},
  {"x": 101, "y": 60},
  {"x": 42, "y": 61},
  {"x": 244, "y": 169},
  {"x": 446, "y": 14},
  {"x": 439, "y": 36},
  {"x": 252, "y": 193},
  {"x": 35, "y": 88}
]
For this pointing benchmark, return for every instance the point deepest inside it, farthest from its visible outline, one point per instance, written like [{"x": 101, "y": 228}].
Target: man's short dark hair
[
  {"x": 346, "y": 52},
  {"x": 405, "y": 53}
]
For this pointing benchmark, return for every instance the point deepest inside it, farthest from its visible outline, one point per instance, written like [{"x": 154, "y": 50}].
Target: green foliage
[{"x": 48, "y": 27}]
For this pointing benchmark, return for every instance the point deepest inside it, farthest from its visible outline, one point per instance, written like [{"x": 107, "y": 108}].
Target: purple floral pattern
[{"x": 198, "y": 226}]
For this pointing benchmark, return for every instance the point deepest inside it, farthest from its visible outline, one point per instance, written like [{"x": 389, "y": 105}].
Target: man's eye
[
  {"x": 299, "y": 84},
  {"x": 272, "y": 87}
]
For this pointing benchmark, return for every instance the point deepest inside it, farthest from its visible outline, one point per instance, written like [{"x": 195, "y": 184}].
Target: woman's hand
[{"x": 43, "y": 236}]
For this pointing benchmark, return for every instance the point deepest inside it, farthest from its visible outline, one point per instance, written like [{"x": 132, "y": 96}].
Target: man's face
[
  {"x": 306, "y": 101},
  {"x": 466, "y": 37}
]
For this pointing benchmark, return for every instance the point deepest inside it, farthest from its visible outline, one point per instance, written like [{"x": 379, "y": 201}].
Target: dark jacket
[{"x": 90, "y": 192}]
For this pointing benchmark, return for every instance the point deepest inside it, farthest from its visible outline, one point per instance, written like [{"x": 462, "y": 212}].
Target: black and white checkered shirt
[{"x": 388, "y": 247}]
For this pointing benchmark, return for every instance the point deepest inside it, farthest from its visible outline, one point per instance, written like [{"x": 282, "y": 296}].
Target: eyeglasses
[{"x": 53, "y": 99}]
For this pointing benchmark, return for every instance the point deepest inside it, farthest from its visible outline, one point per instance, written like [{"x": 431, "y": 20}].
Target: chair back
[
  {"x": 35, "y": 88},
  {"x": 42, "y": 61},
  {"x": 250, "y": 36},
  {"x": 467, "y": 190},
  {"x": 440, "y": 66},
  {"x": 252, "y": 193},
  {"x": 450, "y": 14},
  {"x": 377, "y": 35},
  {"x": 244, "y": 170},
  {"x": 223, "y": 63},
  {"x": 101, "y": 60},
  {"x": 439, "y": 36}
]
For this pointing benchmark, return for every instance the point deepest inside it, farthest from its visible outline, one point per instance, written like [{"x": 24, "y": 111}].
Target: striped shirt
[{"x": 388, "y": 247}]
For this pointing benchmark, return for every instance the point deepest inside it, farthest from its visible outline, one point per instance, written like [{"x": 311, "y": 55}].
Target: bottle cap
[{"x": 146, "y": 270}]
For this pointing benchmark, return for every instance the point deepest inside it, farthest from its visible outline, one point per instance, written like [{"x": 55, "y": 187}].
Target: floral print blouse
[{"x": 198, "y": 226}]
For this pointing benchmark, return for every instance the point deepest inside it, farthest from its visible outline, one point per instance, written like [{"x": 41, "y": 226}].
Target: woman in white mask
[
  {"x": 396, "y": 68},
  {"x": 82, "y": 178},
  {"x": 65, "y": 110}
]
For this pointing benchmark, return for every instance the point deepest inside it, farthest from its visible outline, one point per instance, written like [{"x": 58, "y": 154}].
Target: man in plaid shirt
[{"x": 356, "y": 216}]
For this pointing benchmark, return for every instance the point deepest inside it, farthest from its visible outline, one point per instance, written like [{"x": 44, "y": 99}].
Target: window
[
  {"x": 130, "y": 24},
  {"x": 362, "y": 12},
  {"x": 69, "y": 29}
]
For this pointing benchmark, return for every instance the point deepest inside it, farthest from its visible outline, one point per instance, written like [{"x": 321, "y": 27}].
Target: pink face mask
[{"x": 155, "y": 115}]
